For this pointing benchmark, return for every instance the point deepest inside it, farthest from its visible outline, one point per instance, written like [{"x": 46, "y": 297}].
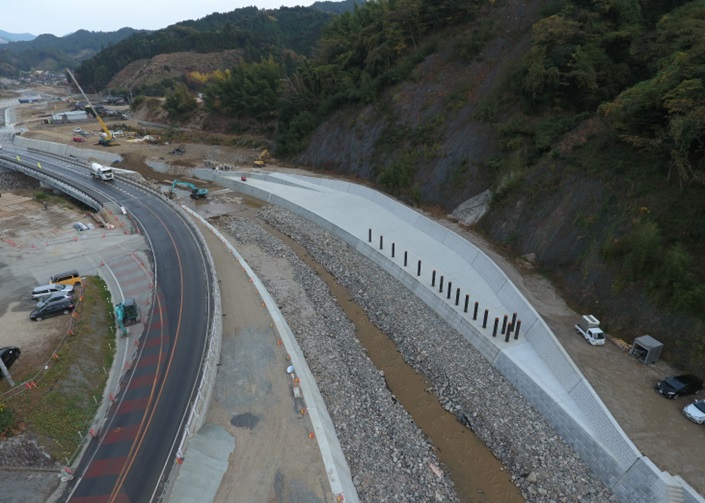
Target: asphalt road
[{"x": 130, "y": 458}]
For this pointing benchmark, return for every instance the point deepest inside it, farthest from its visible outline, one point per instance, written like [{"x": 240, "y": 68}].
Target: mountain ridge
[{"x": 7, "y": 37}]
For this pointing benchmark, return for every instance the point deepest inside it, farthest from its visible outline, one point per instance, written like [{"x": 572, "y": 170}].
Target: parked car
[
  {"x": 673, "y": 387},
  {"x": 44, "y": 291},
  {"x": 63, "y": 307},
  {"x": 78, "y": 139},
  {"x": 77, "y": 130},
  {"x": 9, "y": 355},
  {"x": 54, "y": 297},
  {"x": 66, "y": 278},
  {"x": 695, "y": 411},
  {"x": 80, "y": 226}
]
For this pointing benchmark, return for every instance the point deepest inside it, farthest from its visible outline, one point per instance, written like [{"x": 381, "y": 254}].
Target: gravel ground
[
  {"x": 388, "y": 455},
  {"x": 16, "y": 181}
]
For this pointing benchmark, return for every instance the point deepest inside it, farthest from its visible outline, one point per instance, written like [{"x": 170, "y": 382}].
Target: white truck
[
  {"x": 101, "y": 172},
  {"x": 589, "y": 328}
]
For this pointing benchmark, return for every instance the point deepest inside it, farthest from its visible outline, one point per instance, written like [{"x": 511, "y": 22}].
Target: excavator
[
  {"x": 127, "y": 313},
  {"x": 196, "y": 192},
  {"x": 260, "y": 161},
  {"x": 106, "y": 137}
]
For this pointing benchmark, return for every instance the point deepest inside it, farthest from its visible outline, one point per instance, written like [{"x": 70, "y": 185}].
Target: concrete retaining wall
[{"x": 601, "y": 442}]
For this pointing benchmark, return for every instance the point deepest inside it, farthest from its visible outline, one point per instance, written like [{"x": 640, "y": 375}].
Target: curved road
[{"x": 131, "y": 457}]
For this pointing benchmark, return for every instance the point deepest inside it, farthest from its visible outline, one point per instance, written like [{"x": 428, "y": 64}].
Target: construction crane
[
  {"x": 106, "y": 137},
  {"x": 196, "y": 192}
]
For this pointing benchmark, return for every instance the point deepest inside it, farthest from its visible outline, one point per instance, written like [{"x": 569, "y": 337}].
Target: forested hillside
[
  {"x": 51, "y": 53},
  {"x": 256, "y": 34},
  {"x": 584, "y": 120}
]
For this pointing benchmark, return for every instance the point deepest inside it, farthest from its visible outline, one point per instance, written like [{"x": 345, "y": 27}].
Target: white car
[
  {"x": 46, "y": 290},
  {"x": 77, "y": 130},
  {"x": 695, "y": 411}
]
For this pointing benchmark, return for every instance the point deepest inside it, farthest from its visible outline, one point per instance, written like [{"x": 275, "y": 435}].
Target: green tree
[
  {"x": 249, "y": 90},
  {"x": 667, "y": 113},
  {"x": 179, "y": 102},
  {"x": 685, "y": 106},
  {"x": 643, "y": 249}
]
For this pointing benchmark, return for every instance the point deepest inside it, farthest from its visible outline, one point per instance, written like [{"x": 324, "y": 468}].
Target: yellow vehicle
[
  {"x": 66, "y": 278},
  {"x": 262, "y": 157},
  {"x": 106, "y": 137}
]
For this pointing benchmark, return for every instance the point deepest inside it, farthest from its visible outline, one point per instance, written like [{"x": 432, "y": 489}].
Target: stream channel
[{"x": 478, "y": 476}]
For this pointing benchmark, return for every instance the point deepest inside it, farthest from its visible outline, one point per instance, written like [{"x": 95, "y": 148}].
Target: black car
[
  {"x": 54, "y": 297},
  {"x": 673, "y": 387},
  {"x": 8, "y": 355},
  {"x": 63, "y": 307}
]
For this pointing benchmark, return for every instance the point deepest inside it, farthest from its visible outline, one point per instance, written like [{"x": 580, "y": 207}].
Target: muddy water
[{"x": 478, "y": 476}]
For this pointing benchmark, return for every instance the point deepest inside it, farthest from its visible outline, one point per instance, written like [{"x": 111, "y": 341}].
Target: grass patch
[
  {"x": 53, "y": 199},
  {"x": 67, "y": 395}
]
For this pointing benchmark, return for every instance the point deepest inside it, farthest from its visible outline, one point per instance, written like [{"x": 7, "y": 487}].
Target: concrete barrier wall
[
  {"x": 102, "y": 156},
  {"x": 215, "y": 339},
  {"x": 601, "y": 443}
]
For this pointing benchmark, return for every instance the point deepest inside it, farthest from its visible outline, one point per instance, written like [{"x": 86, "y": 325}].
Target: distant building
[{"x": 71, "y": 116}]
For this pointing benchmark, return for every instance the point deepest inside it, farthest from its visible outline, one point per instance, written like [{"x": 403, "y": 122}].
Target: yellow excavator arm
[{"x": 262, "y": 157}]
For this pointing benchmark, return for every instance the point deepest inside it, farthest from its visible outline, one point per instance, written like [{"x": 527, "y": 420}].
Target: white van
[{"x": 45, "y": 290}]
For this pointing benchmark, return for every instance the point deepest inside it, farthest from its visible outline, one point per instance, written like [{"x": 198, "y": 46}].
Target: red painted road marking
[
  {"x": 133, "y": 405},
  {"x": 103, "y": 467},
  {"x": 151, "y": 360},
  {"x": 104, "y": 498},
  {"x": 142, "y": 381},
  {"x": 126, "y": 433}
]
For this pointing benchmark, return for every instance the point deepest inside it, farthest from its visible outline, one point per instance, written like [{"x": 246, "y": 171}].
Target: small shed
[{"x": 646, "y": 349}]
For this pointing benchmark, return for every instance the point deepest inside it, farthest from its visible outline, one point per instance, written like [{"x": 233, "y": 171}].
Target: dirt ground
[
  {"x": 274, "y": 461},
  {"x": 131, "y": 146},
  {"x": 27, "y": 233},
  {"x": 34, "y": 244},
  {"x": 655, "y": 425}
]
